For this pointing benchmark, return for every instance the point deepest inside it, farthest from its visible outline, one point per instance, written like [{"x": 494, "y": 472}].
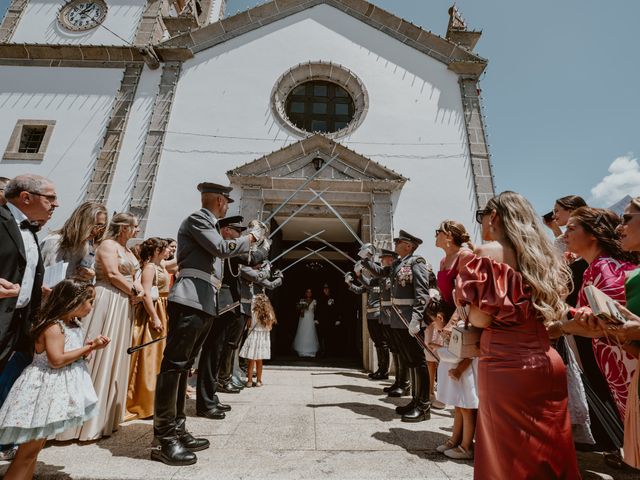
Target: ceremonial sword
[
  {"x": 330, "y": 245},
  {"x": 335, "y": 212},
  {"x": 296, "y": 245},
  {"x": 300, "y": 259},
  {"x": 297, "y": 211},
  {"x": 330, "y": 262},
  {"x": 307, "y": 182}
]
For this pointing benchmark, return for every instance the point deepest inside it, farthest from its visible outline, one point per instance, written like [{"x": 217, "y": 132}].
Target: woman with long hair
[
  {"x": 513, "y": 286},
  {"x": 76, "y": 241},
  {"x": 117, "y": 290},
  {"x": 591, "y": 234},
  {"x": 150, "y": 322}
]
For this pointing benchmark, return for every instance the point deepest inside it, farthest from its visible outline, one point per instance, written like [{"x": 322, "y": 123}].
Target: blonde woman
[
  {"x": 76, "y": 241},
  {"x": 150, "y": 322},
  {"x": 117, "y": 290},
  {"x": 513, "y": 286}
]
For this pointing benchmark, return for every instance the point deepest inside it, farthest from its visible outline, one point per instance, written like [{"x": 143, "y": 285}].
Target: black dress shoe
[
  {"x": 213, "y": 414},
  {"x": 417, "y": 414},
  {"x": 372, "y": 374},
  {"x": 399, "y": 392},
  {"x": 389, "y": 388},
  {"x": 380, "y": 376},
  {"x": 406, "y": 408},
  {"x": 193, "y": 444},
  {"x": 229, "y": 388},
  {"x": 223, "y": 407},
  {"x": 173, "y": 452}
]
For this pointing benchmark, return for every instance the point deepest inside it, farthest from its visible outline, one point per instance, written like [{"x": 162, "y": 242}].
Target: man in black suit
[{"x": 31, "y": 200}]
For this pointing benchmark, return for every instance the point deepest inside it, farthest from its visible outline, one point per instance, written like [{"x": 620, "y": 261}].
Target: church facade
[{"x": 133, "y": 103}]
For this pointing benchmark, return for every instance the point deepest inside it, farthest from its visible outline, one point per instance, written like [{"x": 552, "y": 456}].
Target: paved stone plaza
[{"x": 304, "y": 423}]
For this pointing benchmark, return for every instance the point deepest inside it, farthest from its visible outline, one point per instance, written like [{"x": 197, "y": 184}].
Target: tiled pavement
[{"x": 304, "y": 423}]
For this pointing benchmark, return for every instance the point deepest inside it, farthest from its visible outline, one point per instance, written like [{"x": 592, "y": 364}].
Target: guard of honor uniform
[{"x": 410, "y": 278}]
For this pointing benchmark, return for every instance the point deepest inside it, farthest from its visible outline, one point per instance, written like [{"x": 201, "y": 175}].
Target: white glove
[
  {"x": 366, "y": 251},
  {"x": 337, "y": 324},
  {"x": 258, "y": 230},
  {"x": 414, "y": 327},
  {"x": 357, "y": 268},
  {"x": 348, "y": 278}
]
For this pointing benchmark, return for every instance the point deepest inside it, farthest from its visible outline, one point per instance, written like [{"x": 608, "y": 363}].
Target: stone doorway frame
[{"x": 358, "y": 188}]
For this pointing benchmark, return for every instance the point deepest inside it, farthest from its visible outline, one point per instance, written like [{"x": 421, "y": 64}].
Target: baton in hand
[{"x": 131, "y": 350}]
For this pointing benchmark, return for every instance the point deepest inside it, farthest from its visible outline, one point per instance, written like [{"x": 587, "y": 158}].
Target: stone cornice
[
  {"x": 84, "y": 55},
  {"x": 443, "y": 50}
]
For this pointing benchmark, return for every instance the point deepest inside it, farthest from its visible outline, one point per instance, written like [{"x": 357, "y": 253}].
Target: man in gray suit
[{"x": 191, "y": 309}]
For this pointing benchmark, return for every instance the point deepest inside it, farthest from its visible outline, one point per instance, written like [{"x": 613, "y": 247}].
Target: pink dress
[{"x": 616, "y": 365}]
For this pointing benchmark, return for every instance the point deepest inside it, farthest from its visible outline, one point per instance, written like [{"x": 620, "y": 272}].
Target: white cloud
[{"x": 623, "y": 179}]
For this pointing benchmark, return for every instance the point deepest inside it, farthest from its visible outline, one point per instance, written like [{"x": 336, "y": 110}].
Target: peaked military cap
[
  {"x": 208, "y": 187},
  {"x": 387, "y": 253},
  {"x": 234, "y": 221},
  {"x": 407, "y": 237}
]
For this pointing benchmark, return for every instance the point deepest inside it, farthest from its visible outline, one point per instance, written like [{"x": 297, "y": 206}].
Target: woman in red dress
[{"x": 513, "y": 286}]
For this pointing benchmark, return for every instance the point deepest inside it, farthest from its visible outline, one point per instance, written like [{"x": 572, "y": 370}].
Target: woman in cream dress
[{"x": 117, "y": 289}]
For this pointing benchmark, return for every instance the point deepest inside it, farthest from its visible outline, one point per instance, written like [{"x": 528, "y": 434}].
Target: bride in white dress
[{"x": 306, "y": 343}]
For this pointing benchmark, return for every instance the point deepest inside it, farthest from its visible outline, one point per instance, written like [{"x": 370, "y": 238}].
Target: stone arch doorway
[{"x": 362, "y": 191}]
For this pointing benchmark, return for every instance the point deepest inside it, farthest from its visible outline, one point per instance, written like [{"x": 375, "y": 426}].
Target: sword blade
[
  {"x": 304, "y": 185},
  {"x": 330, "y": 245},
  {"x": 296, "y": 245},
  {"x": 302, "y": 258},
  {"x": 297, "y": 211},
  {"x": 335, "y": 212},
  {"x": 330, "y": 262},
  {"x": 131, "y": 350}
]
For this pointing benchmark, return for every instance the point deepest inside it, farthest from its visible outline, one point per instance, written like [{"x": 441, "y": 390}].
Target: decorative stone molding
[
  {"x": 323, "y": 71},
  {"x": 11, "y": 19},
  {"x": 12, "y": 152},
  {"x": 406, "y": 32}
]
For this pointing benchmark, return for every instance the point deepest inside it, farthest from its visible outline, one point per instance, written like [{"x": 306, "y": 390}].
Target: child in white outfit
[{"x": 55, "y": 392}]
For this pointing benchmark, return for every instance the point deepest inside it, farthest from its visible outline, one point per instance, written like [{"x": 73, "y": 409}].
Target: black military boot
[
  {"x": 170, "y": 451},
  {"x": 383, "y": 365},
  {"x": 396, "y": 364},
  {"x": 225, "y": 374},
  {"x": 188, "y": 441},
  {"x": 403, "y": 381},
  {"x": 412, "y": 404},
  {"x": 422, "y": 409}
]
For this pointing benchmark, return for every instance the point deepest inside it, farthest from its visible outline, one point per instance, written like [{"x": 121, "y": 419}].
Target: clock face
[{"x": 83, "y": 14}]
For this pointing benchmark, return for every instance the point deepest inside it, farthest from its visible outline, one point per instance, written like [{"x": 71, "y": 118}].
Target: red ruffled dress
[{"x": 523, "y": 429}]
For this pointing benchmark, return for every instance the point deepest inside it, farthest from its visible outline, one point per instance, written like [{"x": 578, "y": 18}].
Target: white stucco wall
[
  {"x": 39, "y": 24},
  {"x": 133, "y": 141},
  {"x": 79, "y": 100},
  {"x": 414, "y": 124}
]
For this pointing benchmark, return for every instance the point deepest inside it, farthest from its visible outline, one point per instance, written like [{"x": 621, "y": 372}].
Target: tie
[{"x": 27, "y": 225}]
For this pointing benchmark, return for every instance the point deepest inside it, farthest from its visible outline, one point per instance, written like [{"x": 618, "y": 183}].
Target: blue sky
[{"x": 561, "y": 92}]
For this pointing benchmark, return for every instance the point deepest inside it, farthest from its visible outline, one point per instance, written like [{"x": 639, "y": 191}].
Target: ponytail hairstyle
[
  {"x": 150, "y": 247},
  {"x": 458, "y": 233},
  {"x": 65, "y": 297},
  {"x": 537, "y": 260},
  {"x": 118, "y": 222},
  {"x": 571, "y": 202},
  {"x": 603, "y": 224}
]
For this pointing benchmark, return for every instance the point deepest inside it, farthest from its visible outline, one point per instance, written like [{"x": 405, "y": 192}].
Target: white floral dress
[{"x": 45, "y": 401}]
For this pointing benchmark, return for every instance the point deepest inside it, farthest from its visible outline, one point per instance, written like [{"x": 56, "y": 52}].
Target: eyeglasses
[
  {"x": 439, "y": 231},
  {"x": 626, "y": 218},
  {"x": 50, "y": 198},
  {"x": 480, "y": 214}
]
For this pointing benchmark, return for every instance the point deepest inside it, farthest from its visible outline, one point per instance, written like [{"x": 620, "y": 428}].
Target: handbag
[{"x": 465, "y": 340}]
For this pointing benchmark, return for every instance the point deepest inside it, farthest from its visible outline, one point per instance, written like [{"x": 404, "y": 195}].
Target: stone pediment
[
  {"x": 458, "y": 58},
  {"x": 289, "y": 167}
]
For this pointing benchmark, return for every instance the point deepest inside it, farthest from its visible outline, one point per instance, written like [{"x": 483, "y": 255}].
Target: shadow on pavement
[
  {"x": 374, "y": 411},
  {"x": 416, "y": 442},
  {"x": 42, "y": 470},
  {"x": 353, "y": 388}
]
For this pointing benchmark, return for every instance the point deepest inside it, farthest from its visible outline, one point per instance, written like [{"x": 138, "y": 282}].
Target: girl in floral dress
[{"x": 55, "y": 392}]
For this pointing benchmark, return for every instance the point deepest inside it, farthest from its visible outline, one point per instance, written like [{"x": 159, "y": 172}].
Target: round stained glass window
[{"x": 319, "y": 106}]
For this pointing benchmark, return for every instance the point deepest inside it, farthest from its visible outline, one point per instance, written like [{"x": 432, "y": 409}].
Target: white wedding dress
[{"x": 306, "y": 343}]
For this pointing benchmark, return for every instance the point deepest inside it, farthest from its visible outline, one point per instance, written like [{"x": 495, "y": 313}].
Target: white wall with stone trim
[
  {"x": 80, "y": 101},
  {"x": 133, "y": 141},
  {"x": 39, "y": 24},
  {"x": 415, "y": 111}
]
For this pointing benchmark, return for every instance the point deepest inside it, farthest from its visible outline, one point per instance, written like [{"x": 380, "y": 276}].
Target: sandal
[
  {"x": 248, "y": 384},
  {"x": 448, "y": 445},
  {"x": 258, "y": 384},
  {"x": 459, "y": 453}
]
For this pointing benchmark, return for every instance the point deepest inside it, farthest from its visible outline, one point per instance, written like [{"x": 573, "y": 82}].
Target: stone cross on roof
[{"x": 455, "y": 19}]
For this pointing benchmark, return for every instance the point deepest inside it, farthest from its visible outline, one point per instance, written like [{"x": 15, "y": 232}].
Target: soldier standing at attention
[
  {"x": 411, "y": 277},
  {"x": 192, "y": 309}
]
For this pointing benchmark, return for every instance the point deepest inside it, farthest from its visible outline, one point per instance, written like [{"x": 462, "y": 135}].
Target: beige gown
[{"x": 112, "y": 316}]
